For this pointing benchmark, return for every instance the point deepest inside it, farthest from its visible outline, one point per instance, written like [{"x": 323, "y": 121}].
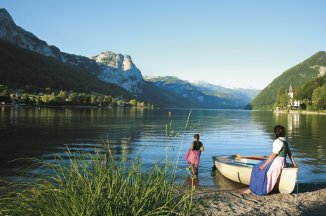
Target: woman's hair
[
  {"x": 279, "y": 131},
  {"x": 196, "y": 136}
]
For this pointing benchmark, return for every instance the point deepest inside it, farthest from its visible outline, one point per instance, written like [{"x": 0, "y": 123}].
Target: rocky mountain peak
[
  {"x": 118, "y": 68},
  {"x": 107, "y": 66},
  {"x": 12, "y": 33},
  {"x": 117, "y": 61},
  {"x": 127, "y": 63},
  {"x": 5, "y": 16},
  {"x": 6, "y": 22},
  {"x": 109, "y": 59}
]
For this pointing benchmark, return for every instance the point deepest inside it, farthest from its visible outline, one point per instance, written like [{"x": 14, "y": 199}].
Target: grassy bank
[{"x": 97, "y": 184}]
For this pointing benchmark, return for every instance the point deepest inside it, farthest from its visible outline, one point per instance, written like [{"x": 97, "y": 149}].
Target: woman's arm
[
  {"x": 293, "y": 161},
  {"x": 292, "y": 158},
  {"x": 202, "y": 148},
  {"x": 269, "y": 159}
]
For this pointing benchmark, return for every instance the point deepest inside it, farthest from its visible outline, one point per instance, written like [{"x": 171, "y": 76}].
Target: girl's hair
[
  {"x": 279, "y": 131},
  {"x": 196, "y": 136}
]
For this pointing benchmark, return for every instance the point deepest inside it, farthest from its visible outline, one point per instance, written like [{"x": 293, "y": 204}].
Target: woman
[
  {"x": 265, "y": 174},
  {"x": 193, "y": 154}
]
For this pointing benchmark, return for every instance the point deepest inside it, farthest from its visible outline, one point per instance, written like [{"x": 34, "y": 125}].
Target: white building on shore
[{"x": 293, "y": 104}]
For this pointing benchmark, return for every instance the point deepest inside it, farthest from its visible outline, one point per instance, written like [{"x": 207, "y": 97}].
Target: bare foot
[{"x": 245, "y": 191}]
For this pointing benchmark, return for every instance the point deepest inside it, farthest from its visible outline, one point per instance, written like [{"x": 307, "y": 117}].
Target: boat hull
[{"x": 239, "y": 170}]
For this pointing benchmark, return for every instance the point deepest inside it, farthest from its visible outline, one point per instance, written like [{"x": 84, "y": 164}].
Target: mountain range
[
  {"x": 202, "y": 92},
  {"x": 23, "y": 69},
  {"x": 29, "y": 61},
  {"x": 107, "y": 66}
]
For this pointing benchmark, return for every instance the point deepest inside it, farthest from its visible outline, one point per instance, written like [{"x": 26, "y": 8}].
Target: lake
[{"x": 157, "y": 134}]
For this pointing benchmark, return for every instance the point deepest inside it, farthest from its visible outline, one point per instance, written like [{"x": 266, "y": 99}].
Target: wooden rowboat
[{"x": 238, "y": 169}]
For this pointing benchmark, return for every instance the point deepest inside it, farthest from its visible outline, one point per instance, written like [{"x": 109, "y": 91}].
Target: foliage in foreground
[{"x": 98, "y": 185}]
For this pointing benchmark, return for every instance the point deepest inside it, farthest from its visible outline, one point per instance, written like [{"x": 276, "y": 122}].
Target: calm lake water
[{"x": 39, "y": 133}]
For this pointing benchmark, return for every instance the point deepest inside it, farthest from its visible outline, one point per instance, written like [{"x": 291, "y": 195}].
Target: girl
[{"x": 193, "y": 154}]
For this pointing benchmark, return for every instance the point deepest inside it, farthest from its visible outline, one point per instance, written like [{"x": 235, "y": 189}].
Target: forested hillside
[
  {"x": 312, "y": 95},
  {"x": 296, "y": 76},
  {"x": 21, "y": 68}
]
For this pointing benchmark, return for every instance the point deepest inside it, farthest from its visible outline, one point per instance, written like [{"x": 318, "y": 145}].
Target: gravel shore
[{"x": 311, "y": 200}]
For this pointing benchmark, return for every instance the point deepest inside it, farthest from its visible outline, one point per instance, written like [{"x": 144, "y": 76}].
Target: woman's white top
[{"x": 278, "y": 145}]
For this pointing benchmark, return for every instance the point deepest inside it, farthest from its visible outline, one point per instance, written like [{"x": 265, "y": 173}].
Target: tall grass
[{"x": 97, "y": 184}]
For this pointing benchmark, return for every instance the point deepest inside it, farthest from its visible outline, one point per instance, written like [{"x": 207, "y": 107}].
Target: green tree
[
  {"x": 48, "y": 98},
  {"x": 282, "y": 99},
  {"x": 35, "y": 100},
  {"x": 121, "y": 103},
  {"x": 139, "y": 105},
  {"x": 94, "y": 100},
  {"x": 25, "y": 98},
  {"x": 61, "y": 97},
  {"x": 319, "y": 98},
  {"x": 73, "y": 98},
  {"x": 114, "y": 103},
  {"x": 133, "y": 102},
  {"x": 85, "y": 99},
  {"x": 298, "y": 95},
  {"x": 4, "y": 94},
  {"x": 107, "y": 100}
]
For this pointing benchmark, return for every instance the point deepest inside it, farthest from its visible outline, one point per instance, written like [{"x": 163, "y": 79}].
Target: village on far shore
[
  {"x": 293, "y": 104},
  {"x": 290, "y": 102}
]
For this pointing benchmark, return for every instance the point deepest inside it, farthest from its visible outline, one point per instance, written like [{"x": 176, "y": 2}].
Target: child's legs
[{"x": 193, "y": 169}]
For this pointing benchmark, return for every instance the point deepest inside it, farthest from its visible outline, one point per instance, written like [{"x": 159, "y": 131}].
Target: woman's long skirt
[{"x": 263, "y": 181}]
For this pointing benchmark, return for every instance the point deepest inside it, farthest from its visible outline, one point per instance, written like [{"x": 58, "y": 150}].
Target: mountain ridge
[
  {"x": 10, "y": 32},
  {"x": 21, "y": 67},
  {"x": 202, "y": 92},
  {"x": 115, "y": 69}
]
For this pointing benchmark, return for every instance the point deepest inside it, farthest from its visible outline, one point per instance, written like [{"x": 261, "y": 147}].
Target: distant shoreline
[
  {"x": 174, "y": 108},
  {"x": 300, "y": 112},
  {"x": 68, "y": 106}
]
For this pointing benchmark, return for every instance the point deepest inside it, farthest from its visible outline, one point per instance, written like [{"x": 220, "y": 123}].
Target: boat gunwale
[{"x": 238, "y": 164}]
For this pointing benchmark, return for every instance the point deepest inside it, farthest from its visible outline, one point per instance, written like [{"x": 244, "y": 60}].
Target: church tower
[{"x": 290, "y": 93}]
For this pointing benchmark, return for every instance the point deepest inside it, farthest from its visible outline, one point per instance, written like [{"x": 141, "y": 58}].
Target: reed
[{"x": 98, "y": 184}]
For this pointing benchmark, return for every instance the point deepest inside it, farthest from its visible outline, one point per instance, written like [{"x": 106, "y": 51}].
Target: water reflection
[{"x": 32, "y": 132}]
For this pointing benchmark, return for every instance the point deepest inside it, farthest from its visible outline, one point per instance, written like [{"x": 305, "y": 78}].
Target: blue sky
[{"x": 230, "y": 43}]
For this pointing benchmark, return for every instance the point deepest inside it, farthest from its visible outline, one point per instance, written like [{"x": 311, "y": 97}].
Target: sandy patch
[{"x": 312, "y": 201}]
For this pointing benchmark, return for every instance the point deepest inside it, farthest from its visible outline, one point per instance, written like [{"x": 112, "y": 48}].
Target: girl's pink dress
[{"x": 193, "y": 157}]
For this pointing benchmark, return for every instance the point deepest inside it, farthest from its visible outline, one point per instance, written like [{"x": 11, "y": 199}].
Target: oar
[{"x": 238, "y": 157}]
